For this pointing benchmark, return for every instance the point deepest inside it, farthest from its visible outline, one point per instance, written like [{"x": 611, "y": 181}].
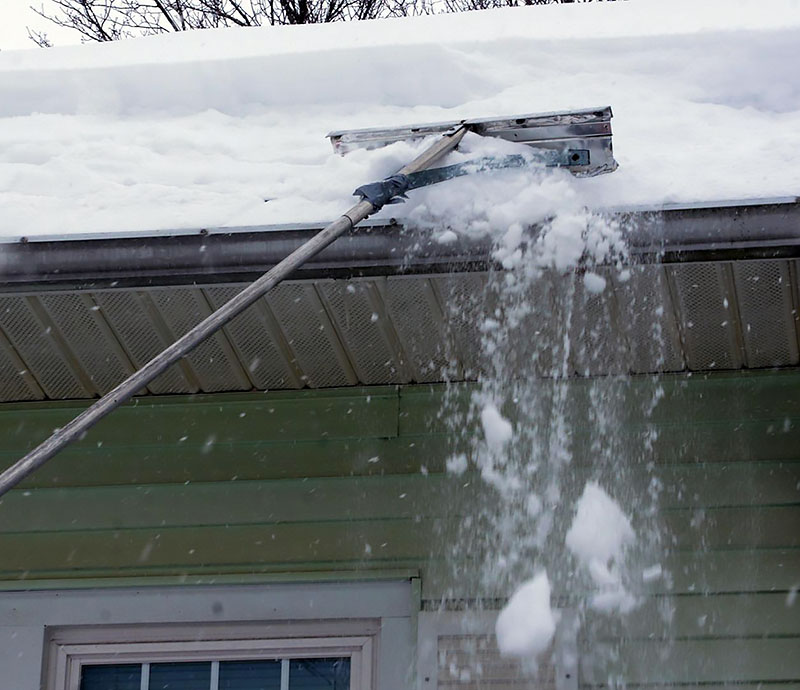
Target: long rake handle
[{"x": 139, "y": 379}]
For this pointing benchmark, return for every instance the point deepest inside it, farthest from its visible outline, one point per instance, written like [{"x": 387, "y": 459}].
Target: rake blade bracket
[{"x": 578, "y": 140}]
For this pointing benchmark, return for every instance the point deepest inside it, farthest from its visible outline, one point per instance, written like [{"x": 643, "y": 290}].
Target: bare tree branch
[
  {"x": 39, "y": 38},
  {"x": 110, "y": 20},
  {"x": 167, "y": 15}
]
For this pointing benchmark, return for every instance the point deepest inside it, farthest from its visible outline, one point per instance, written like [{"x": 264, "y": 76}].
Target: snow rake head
[{"x": 578, "y": 140}]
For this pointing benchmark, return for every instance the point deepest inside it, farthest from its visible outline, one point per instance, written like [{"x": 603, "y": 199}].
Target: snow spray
[{"x": 562, "y": 516}]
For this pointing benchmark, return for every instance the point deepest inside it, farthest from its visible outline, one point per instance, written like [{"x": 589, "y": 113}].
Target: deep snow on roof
[{"x": 224, "y": 128}]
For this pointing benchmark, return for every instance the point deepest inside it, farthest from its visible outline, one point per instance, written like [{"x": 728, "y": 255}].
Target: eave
[
  {"x": 675, "y": 233},
  {"x": 78, "y": 314}
]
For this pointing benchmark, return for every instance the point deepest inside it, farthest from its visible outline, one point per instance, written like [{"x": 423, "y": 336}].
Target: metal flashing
[{"x": 729, "y": 230}]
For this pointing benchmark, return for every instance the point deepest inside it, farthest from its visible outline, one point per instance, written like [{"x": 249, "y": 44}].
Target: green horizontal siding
[
  {"x": 691, "y": 572},
  {"x": 722, "y": 615},
  {"x": 144, "y": 463},
  {"x": 349, "y": 484},
  {"x": 338, "y": 433},
  {"x": 141, "y": 462},
  {"x": 352, "y": 540},
  {"x": 352, "y": 468},
  {"x": 703, "y": 661},
  {"x": 769, "y": 492},
  {"x": 686, "y": 401},
  {"x": 242, "y": 419}
]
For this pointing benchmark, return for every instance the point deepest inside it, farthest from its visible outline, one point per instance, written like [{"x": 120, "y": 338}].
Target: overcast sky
[{"x": 15, "y": 15}]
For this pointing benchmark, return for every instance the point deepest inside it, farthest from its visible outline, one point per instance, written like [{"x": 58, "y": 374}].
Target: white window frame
[
  {"x": 435, "y": 624},
  {"x": 70, "y": 649}
]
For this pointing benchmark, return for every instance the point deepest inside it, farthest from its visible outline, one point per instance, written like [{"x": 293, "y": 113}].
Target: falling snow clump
[
  {"x": 526, "y": 625},
  {"x": 598, "y": 537},
  {"x": 496, "y": 428}
]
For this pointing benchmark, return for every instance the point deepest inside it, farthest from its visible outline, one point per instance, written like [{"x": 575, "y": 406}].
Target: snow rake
[{"x": 579, "y": 141}]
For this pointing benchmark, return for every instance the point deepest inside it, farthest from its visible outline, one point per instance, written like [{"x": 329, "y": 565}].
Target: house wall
[{"x": 327, "y": 485}]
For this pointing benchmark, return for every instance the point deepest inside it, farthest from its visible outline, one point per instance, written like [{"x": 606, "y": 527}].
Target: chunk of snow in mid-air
[
  {"x": 600, "y": 530},
  {"x": 598, "y": 536},
  {"x": 533, "y": 505},
  {"x": 562, "y": 245},
  {"x": 594, "y": 283},
  {"x": 457, "y": 464},
  {"x": 508, "y": 252},
  {"x": 197, "y": 129},
  {"x": 526, "y": 625},
  {"x": 447, "y": 237},
  {"x": 496, "y": 429},
  {"x": 613, "y": 599},
  {"x": 654, "y": 572}
]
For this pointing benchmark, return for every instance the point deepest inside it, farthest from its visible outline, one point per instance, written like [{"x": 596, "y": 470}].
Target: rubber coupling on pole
[{"x": 392, "y": 190}]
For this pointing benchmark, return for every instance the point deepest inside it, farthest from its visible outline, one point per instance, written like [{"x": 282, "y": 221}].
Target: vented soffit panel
[
  {"x": 59, "y": 341},
  {"x": 379, "y": 330}
]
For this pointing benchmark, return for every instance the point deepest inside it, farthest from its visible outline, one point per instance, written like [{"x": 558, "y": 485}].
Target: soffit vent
[
  {"x": 413, "y": 329},
  {"x": 458, "y": 651},
  {"x": 473, "y": 662},
  {"x": 767, "y": 314}
]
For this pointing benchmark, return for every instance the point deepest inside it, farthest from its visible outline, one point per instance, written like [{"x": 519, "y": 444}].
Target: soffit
[
  {"x": 378, "y": 330},
  {"x": 716, "y": 289}
]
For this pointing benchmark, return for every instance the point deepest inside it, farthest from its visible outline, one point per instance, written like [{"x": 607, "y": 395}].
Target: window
[
  {"x": 272, "y": 674},
  {"x": 223, "y": 658}
]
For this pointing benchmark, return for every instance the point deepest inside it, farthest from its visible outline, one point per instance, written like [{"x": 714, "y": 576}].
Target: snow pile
[
  {"x": 526, "y": 625},
  {"x": 598, "y": 537},
  {"x": 217, "y": 129}
]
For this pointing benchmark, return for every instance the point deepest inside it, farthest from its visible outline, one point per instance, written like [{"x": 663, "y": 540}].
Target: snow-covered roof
[{"x": 216, "y": 129}]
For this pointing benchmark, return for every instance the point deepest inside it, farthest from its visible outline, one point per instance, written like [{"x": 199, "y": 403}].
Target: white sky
[{"x": 16, "y": 15}]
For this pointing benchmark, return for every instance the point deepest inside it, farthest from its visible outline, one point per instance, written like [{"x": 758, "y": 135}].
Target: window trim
[{"x": 70, "y": 650}]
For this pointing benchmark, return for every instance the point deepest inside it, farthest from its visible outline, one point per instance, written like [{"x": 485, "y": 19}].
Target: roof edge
[{"x": 725, "y": 230}]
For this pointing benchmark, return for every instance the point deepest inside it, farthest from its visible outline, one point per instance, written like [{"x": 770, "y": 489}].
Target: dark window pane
[
  {"x": 250, "y": 675},
  {"x": 319, "y": 674},
  {"x": 112, "y": 677},
  {"x": 186, "y": 676}
]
